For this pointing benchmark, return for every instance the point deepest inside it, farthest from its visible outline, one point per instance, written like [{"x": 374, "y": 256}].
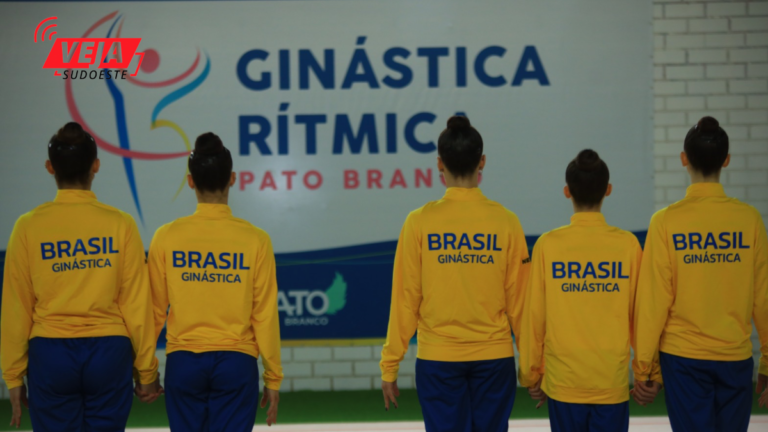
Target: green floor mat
[{"x": 344, "y": 406}]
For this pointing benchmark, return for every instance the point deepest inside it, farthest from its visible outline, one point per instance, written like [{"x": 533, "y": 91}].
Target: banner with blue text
[{"x": 332, "y": 111}]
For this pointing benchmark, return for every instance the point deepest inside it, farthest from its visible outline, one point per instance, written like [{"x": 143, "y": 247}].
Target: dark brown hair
[
  {"x": 210, "y": 163},
  {"x": 587, "y": 177},
  {"x": 706, "y": 146},
  {"x": 460, "y": 147},
  {"x": 72, "y": 152}
]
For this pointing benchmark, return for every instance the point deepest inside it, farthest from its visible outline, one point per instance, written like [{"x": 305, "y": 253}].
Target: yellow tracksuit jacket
[
  {"x": 579, "y": 312},
  {"x": 459, "y": 275},
  {"x": 75, "y": 268},
  {"x": 217, "y": 273},
  {"x": 704, "y": 278}
]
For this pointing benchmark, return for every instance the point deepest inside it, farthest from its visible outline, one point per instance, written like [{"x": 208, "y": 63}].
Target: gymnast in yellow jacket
[
  {"x": 704, "y": 280},
  {"x": 76, "y": 310},
  {"x": 217, "y": 273},
  {"x": 459, "y": 273},
  {"x": 577, "y": 321}
]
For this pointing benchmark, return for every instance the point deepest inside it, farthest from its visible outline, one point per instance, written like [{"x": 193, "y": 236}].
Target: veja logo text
[{"x": 81, "y": 53}]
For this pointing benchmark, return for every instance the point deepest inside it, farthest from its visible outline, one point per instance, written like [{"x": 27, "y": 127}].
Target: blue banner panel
[{"x": 339, "y": 293}]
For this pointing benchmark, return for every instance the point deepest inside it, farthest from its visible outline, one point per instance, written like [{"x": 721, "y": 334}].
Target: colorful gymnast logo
[
  {"x": 150, "y": 62},
  {"x": 81, "y": 53}
]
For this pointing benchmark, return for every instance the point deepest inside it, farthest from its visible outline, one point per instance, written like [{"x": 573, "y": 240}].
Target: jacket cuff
[
  {"x": 530, "y": 380},
  {"x": 13, "y": 383},
  {"x": 389, "y": 376},
  {"x": 273, "y": 384},
  {"x": 147, "y": 377},
  {"x": 763, "y": 368}
]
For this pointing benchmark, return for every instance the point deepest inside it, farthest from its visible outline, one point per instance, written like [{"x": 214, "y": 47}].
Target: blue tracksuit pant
[
  {"x": 215, "y": 391},
  {"x": 707, "y": 395},
  {"x": 475, "y": 396},
  {"x": 80, "y": 384},
  {"x": 573, "y": 417}
]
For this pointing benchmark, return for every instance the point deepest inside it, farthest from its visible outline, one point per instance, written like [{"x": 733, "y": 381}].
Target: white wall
[{"x": 711, "y": 58}]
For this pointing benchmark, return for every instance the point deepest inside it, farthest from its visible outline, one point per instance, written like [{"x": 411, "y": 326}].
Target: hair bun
[
  {"x": 708, "y": 125},
  {"x": 71, "y": 132},
  {"x": 69, "y": 138},
  {"x": 208, "y": 144},
  {"x": 458, "y": 122},
  {"x": 71, "y": 129},
  {"x": 588, "y": 159}
]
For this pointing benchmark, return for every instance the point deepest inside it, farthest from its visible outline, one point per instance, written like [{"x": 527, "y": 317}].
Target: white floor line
[{"x": 636, "y": 424}]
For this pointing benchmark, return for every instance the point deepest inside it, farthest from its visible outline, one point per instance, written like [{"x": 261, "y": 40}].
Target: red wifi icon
[{"x": 42, "y": 36}]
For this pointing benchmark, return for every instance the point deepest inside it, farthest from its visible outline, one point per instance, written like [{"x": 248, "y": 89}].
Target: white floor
[{"x": 638, "y": 424}]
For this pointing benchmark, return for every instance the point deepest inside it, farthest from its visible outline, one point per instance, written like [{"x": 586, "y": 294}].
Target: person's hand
[
  {"x": 391, "y": 392},
  {"x": 149, "y": 392},
  {"x": 273, "y": 397},
  {"x": 537, "y": 393},
  {"x": 646, "y": 392},
  {"x": 762, "y": 387},
  {"x": 18, "y": 398}
]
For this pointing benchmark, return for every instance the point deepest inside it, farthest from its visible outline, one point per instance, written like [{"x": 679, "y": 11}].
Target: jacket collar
[
  {"x": 213, "y": 210},
  {"x": 74, "y": 196},
  {"x": 588, "y": 219},
  {"x": 464, "y": 194},
  {"x": 705, "y": 190}
]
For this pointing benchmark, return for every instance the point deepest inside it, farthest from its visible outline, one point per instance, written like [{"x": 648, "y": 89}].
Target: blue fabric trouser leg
[
  {"x": 213, "y": 391},
  {"x": 707, "y": 395},
  {"x": 571, "y": 417},
  {"x": 474, "y": 396},
  {"x": 80, "y": 384}
]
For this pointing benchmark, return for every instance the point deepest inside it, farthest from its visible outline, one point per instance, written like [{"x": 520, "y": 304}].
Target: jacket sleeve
[
  {"x": 654, "y": 298},
  {"x": 637, "y": 259},
  {"x": 17, "y": 308},
  {"x": 135, "y": 303},
  {"x": 533, "y": 323},
  {"x": 406, "y": 299},
  {"x": 760, "y": 312},
  {"x": 265, "y": 319},
  {"x": 516, "y": 280},
  {"x": 157, "y": 280}
]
